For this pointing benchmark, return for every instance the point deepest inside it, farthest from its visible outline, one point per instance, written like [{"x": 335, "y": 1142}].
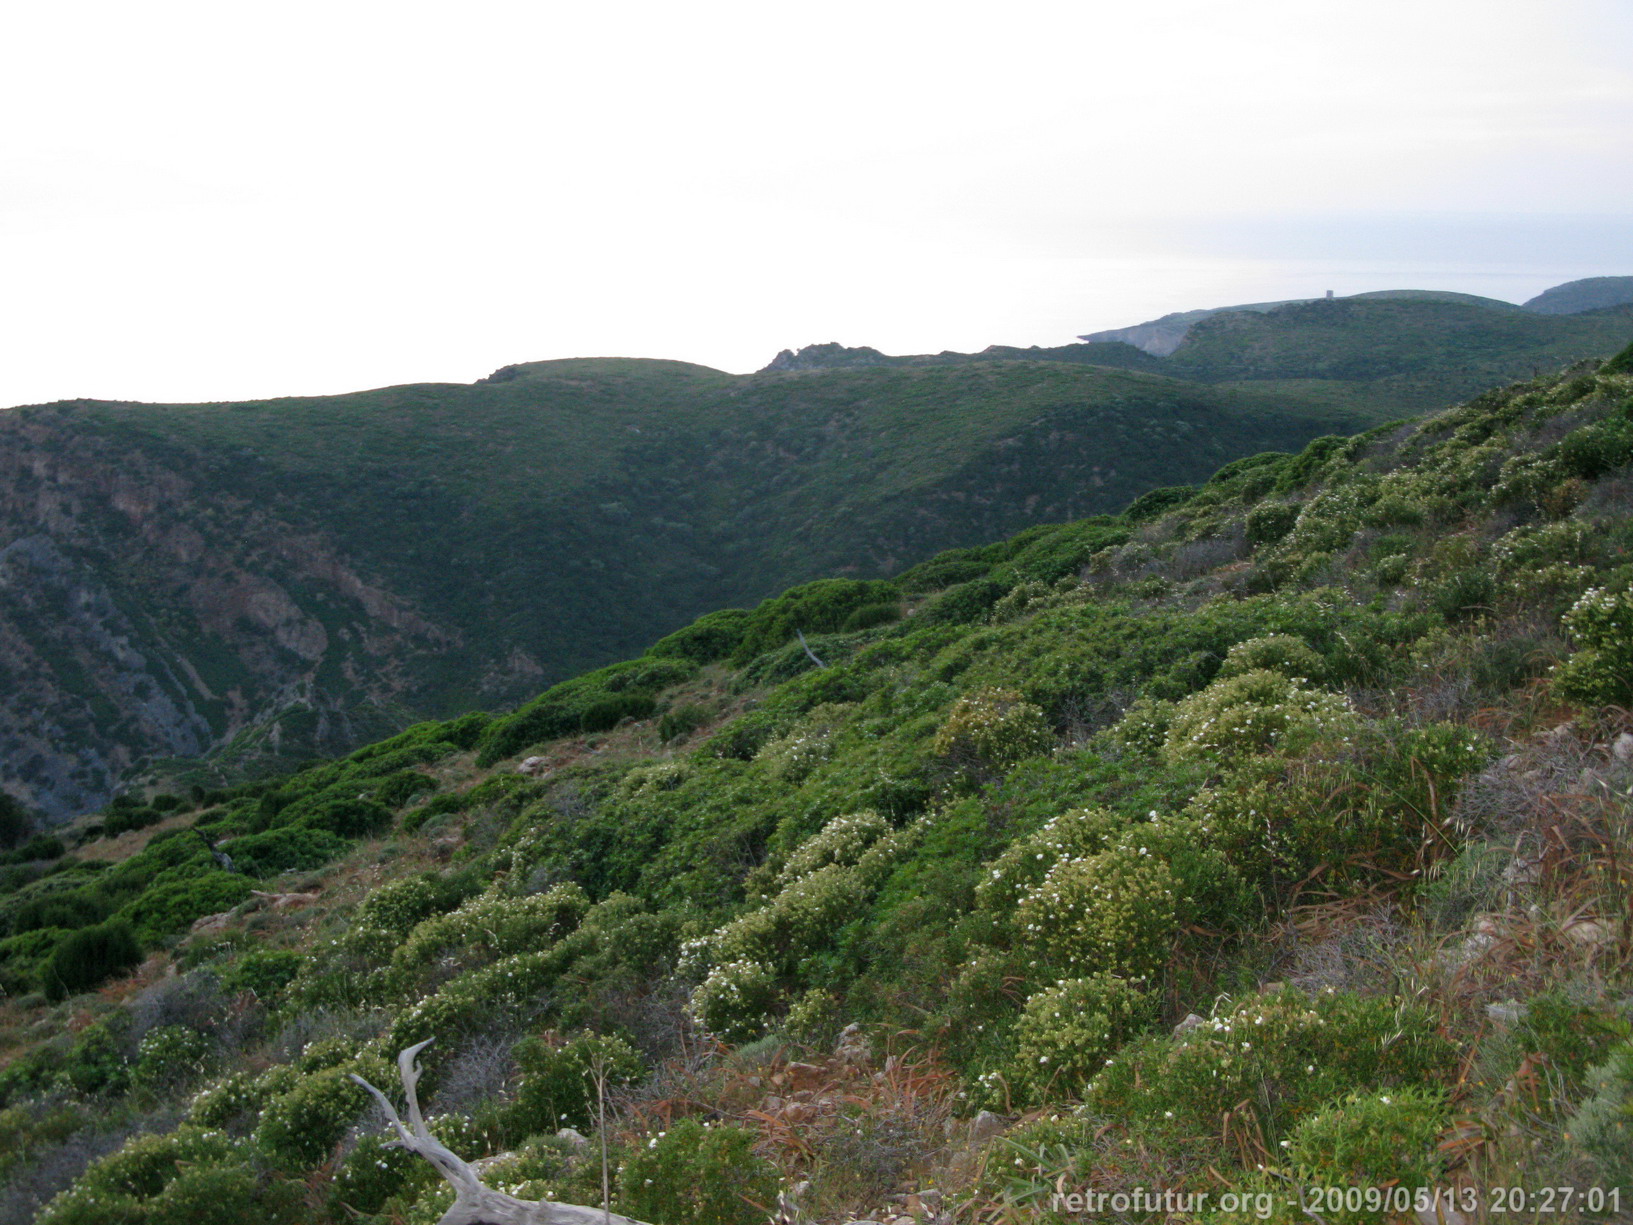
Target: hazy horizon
[{"x": 245, "y": 203}]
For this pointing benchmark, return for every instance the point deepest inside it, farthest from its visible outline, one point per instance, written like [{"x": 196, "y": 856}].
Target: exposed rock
[
  {"x": 573, "y": 1136},
  {"x": 213, "y": 922},
  {"x": 531, "y": 766},
  {"x": 826, "y": 357},
  {"x": 1441, "y": 1214},
  {"x": 853, "y": 1046},
  {"x": 1622, "y": 747},
  {"x": 285, "y": 901},
  {"x": 1190, "y": 1022},
  {"x": 986, "y": 1125},
  {"x": 1587, "y": 931},
  {"x": 1506, "y": 1012}
]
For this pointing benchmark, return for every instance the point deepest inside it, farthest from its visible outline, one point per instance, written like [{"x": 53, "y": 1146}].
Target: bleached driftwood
[{"x": 474, "y": 1204}]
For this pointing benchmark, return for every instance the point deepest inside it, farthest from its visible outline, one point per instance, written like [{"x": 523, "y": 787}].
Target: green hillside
[
  {"x": 299, "y": 576},
  {"x": 1394, "y": 348},
  {"x": 1268, "y": 837}
]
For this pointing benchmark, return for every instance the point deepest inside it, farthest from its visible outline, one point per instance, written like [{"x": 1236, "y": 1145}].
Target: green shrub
[
  {"x": 301, "y": 1127},
  {"x": 714, "y": 636},
  {"x": 1602, "y": 1126},
  {"x": 558, "y": 1081},
  {"x": 679, "y": 722},
  {"x": 291, "y": 849},
  {"x": 1601, "y": 669},
  {"x": 124, "y": 820},
  {"x": 263, "y": 972},
  {"x": 1287, "y": 654},
  {"x": 697, "y": 1174},
  {"x": 993, "y": 729},
  {"x": 821, "y": 607},
  {"x": 397, "y": 789},
  {"x": 172, "y": 1056},
  {"x": 1372, "y": 1138},
  {"x": 169, "y": 908},
  {"x": 348, "y": 818},
  {"x": 610, "y": 712},
  {"x": 1158, "y": 502},
  {"x": 88, "y": 958},
  {"x": 1065, "y": 1033},
  {"x": 870, "y": 615},
  {"x": 1114, "y": 911},
  {"x": 70, "y": 910},
  {"x": 230, "y": 1194},
  {"x": 1254, "y": 712},
  {"x": 965, "y": 604},
  {"x": 1283, "y": 1054},
  {"x": 95, "y": 1063},
  {"x": 1268, "y": 522}
]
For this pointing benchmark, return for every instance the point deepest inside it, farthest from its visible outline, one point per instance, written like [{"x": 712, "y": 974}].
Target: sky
[{"x": 208, "y": 201}]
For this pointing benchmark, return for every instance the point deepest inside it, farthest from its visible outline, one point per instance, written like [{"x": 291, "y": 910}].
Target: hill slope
[
  {"x": 1162, "y": 337},
  {"x": 1270, "y": 835},
  {"x": 294, "y": 576}
]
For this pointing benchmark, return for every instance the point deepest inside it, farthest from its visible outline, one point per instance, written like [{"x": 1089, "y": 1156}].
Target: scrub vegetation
[{"x": 1271, "y": 832}]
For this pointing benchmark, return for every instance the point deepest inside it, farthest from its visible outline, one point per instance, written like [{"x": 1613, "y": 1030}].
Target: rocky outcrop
[
  {"x": 139, "y": 623},
  {"x": 830, "y": 356}
]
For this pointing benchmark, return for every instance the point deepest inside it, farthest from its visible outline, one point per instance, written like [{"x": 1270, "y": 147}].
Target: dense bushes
[
  {"x": 88, "y": 958},
  {"x": 1105, "y": 776},
  {"x": 697, "y": 1174}
]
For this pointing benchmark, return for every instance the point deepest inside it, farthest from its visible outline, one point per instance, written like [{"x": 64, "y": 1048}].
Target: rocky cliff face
[{"x": 139, "y": 622}]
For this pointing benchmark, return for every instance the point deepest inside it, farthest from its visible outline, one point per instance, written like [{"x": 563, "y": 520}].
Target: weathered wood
[{"x": 474, "y": 1203}]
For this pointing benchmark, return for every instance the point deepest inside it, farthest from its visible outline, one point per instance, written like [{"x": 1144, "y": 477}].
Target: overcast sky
[{"x": 204, "y": 201}]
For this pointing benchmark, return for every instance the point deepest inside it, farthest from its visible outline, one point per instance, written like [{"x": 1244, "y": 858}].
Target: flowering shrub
[
  {"x": 801, "y": 919},
  {"x": 697, "y": 1174},
  {"x": 474, "y": 998},
  {"x": 1020, "y": 599},
  {"x": 734, "y": 1000},
  {"x": 558, "y": 1085},
  {"x": 1252, "y": 713},
  {"x": 114, "y": 1188},
  {"x": 657, "y": 777},
  {"x": 485, "y": 928},
  {"x": 170, "y": 1056},
  {"x": 262, "y": 972},
  {"x": 1540, "y": 544},
  {"x": 1018, "y": 871},
  {"x": 841, "y": 841},
  {"x": 1283, "y": 653},
  {"x": 1113, "y": 911},
  {"x": 793, "y": 757},
  {"x": 240, "y": 1095},
  {"x": 1601, "y": 669},
  {"x": 1285, "y": 1052},
  {"x": 300, "y": 1128},
  {"x": 993, "y": 729},
  {"x": 393, "y": 910},
  {"x": 229, "y": 1195},
  {"x": 1372, "y": 1136},
  {"x": 1065, "y": 1033},
  {"x": 1144, "y": 725},
  {"x": 378, "y": 1169}
]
